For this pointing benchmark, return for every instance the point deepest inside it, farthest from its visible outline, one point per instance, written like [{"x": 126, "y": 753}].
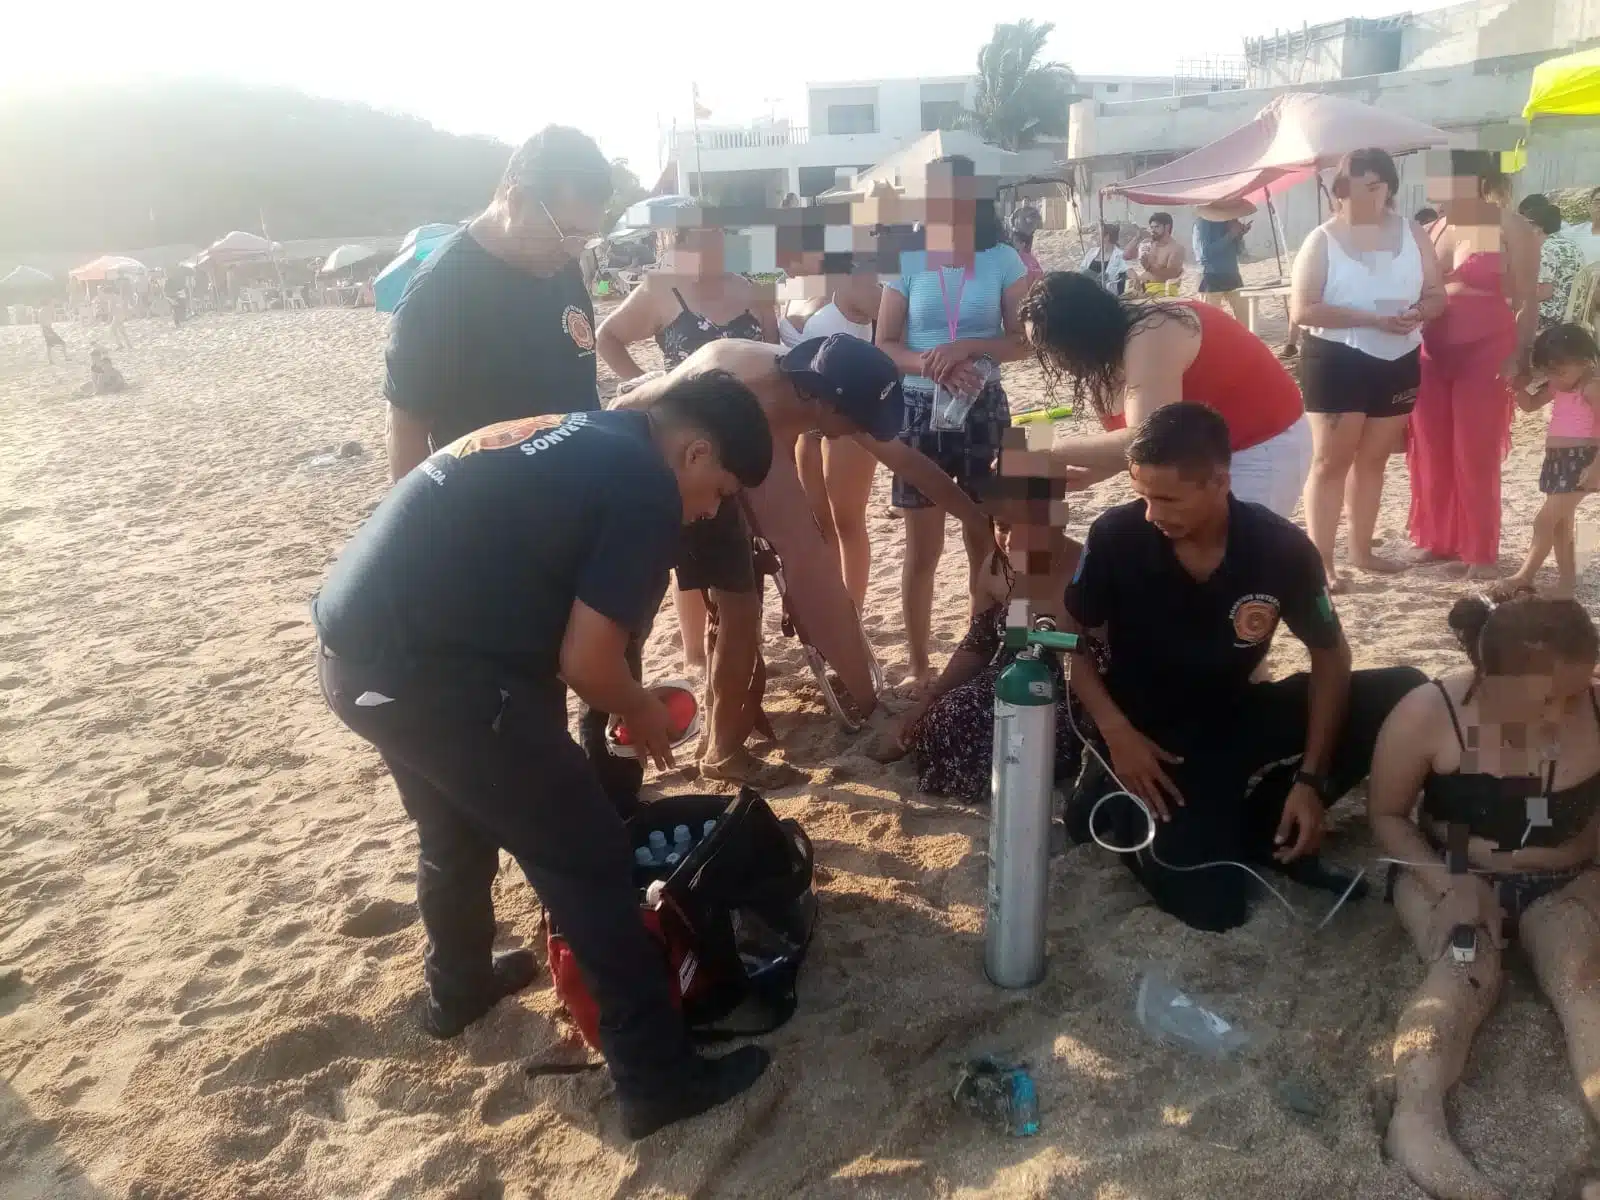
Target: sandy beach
[{"x": 209, "y": 947}]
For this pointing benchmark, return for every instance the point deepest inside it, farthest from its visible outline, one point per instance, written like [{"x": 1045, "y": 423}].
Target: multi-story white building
[{"x": 851, "y": 126}]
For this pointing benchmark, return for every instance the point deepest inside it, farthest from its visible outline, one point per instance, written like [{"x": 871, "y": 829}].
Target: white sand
[{"x": 209, "y": 951}]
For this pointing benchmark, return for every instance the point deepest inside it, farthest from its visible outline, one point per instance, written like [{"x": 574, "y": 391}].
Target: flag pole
[{"x": 694, "y": 113}]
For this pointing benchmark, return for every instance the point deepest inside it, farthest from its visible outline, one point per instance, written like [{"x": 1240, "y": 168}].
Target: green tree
[
  {"x": 626, "y": 190},
  {"x": 1020, "y": 99}
]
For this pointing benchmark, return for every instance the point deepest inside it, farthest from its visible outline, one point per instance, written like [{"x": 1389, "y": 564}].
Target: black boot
[
  {"x": 698, "y": 1086},
  {"x": 513, "y": 971},
  {"x": 1314, "y": 873}
]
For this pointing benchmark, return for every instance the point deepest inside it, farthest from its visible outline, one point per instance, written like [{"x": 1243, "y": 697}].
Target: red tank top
[{"x": 1237, "y": 374}]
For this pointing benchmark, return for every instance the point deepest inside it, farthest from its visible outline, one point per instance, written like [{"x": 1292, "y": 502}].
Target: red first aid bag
[{"x": 734, "y": 919}]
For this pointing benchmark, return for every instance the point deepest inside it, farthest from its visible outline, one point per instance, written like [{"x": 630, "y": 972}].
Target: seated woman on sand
[
  {"x": 949, "y": 732},
  {"x": 1506, "y": 756}
]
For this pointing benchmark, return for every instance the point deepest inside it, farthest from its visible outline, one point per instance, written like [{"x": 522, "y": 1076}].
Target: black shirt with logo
[
  {"x": 480, "y": 551},
  {"x": 1181, "y": 647},
  {"x": 476, "y": 341}
]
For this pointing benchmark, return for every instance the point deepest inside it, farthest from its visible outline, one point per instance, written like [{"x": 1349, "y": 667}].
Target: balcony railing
[{"x": 751, "y": 139}]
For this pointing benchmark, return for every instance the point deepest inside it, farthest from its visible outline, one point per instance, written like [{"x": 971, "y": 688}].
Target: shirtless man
[
  {"x": 841, "y": 387},
  {"x": 1160, "y": 258}
]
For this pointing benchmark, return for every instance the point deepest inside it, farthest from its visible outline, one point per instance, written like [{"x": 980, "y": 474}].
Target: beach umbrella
[
  {"x": 1565, "y": 87},
  {"x": 347, "y": 256},
  {"x": 237, "y": 247},
  {"x": 108, "y": 266},
  {"x": 27, "y": 285},
  {"x": 1293, "y": 137},
  {"x": 414, "y": 251}
]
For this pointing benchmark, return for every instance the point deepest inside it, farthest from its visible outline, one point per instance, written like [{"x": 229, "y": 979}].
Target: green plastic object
[
  {"x": 1058, "y": 413},
  {"x": 1051, "y": 640},
  {"x": 1026, "y": 683}
]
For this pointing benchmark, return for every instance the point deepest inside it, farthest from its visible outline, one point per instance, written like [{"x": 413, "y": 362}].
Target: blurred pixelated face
[
  {"x": 951, "y": 209},
  {"x": 1594, "y": 207},
  {"x": 1540, "y": 696},
  {"x": 1367, "y": 197},
  {"x": 699, "y": 253},
  {"x": 1448, "y": 188}
]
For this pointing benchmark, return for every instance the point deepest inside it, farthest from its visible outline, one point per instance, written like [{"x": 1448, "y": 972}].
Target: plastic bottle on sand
[{"x": 1172, "y": 1015}]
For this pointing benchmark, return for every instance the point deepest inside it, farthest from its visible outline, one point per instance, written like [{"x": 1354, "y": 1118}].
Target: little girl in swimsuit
[{"x": 1567, "y": 357}]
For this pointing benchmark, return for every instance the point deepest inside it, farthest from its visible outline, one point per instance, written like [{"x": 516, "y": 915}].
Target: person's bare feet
[
  {"x": 743, "y": 768},
  {"x": 1338, "y": 584},
  {"x": 1418, "y": 558},
  {"x": 1420, "y": 1142},
  {"x": 917, "y": 684},
  {"x": 1378, "y": 563}
]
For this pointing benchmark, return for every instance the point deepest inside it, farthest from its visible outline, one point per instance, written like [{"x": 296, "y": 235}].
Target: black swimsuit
[
  {"x": 1513, "y": 812},
  {"x": 689, "y": 331}
]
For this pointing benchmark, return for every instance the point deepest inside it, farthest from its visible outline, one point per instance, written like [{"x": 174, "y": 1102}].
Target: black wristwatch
[{"x": 1318, "y": 784}]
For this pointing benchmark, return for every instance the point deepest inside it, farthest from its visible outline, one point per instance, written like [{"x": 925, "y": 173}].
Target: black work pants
[
  {"x": 620, "y": 778},
  {"x": 1238, "y": 767},
  {"x": 482, "y": 764}
]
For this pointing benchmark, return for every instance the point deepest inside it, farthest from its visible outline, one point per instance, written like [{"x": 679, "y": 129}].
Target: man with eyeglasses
[{"x": 497, "y": 326}]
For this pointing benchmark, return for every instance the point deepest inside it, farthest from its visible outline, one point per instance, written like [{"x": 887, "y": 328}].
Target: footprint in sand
[{"x": 379, "y": 919}]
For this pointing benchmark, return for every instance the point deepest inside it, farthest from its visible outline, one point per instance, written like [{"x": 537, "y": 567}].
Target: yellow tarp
[{"x": 1566, "y": 87}]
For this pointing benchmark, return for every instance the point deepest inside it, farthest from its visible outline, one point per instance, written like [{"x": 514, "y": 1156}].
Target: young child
[{"x": 1569, "y": 361}]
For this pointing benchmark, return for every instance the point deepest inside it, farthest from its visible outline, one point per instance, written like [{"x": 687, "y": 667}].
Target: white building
[
  {"x": 854, "y": 125},
  {"x": 1465, "y": 69},
  {"x": 849, "y": 127}
]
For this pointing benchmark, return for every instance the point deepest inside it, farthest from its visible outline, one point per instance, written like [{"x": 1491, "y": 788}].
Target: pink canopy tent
[
  {"x": 108, "y": 266},
  {"x": 1293, "y": 136}
]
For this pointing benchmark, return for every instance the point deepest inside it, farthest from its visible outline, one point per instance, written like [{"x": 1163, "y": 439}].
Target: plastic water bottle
[
  {"x": 674, "y": 858},
  {"x": 642, "y": 857},
  {"x": 1174, "y": 1016},
  {"x": 653, "y": 893},
  {"x": 705, "y": 830},
  {"x": 681, "y": 841},
  {"x": 658, "y": 847}
]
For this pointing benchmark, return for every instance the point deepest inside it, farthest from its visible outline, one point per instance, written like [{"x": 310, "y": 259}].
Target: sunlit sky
[{"x": 620, "y": 71}]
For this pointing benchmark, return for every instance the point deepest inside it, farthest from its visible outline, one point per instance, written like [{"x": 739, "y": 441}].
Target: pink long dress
[{"x": 1461, "y": 425}]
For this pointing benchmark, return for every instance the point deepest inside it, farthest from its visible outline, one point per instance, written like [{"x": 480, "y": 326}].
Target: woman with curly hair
[{"x": 1129, "y": 357}]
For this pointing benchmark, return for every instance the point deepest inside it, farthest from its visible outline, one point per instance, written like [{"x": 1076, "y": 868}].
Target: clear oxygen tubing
[{"x": 1147, "y": 844}]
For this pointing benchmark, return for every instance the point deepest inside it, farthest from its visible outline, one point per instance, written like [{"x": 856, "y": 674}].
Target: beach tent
[
  {"x": 238, "y": 247},
  {"x": 414, "y": 250},
  {"x": 347, "y": 256},
  {"x": 27, "y": 285},
  {"x": 1295, "y": 135},
  {"x": 108, "y": 266},
  {"x": 1565, "y": 87}
]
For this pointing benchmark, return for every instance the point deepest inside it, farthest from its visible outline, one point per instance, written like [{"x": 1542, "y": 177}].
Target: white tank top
[
  {"x": 1379, "y": 282},
  {"x": 829, "y": 320}
]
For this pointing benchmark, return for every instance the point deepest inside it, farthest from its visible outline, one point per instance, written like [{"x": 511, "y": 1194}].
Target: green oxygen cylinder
[{"x": 1019, "y": 810}]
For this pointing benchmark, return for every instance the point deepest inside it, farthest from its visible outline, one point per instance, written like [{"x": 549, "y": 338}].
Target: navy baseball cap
[{"x": 853, "y": 376}]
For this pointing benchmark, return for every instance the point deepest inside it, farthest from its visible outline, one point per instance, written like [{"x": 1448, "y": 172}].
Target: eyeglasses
[{"x": 575, "y": 243}]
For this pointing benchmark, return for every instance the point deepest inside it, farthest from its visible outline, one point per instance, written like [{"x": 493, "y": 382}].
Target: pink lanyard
[{"x": 953, "y": 320}]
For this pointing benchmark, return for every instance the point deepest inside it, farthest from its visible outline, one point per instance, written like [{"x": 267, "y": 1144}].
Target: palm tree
[{"x": 1020, "y": 99}]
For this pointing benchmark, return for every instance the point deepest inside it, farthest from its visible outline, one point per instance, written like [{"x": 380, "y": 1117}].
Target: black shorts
[
  {"x": 967, "y": 455},
  {"x": 1335, "y": 378},
  {"x": 1563, "y": 467},
  {"x": 716, "y": 553},
  {"x": 1214, "y": 282}
]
